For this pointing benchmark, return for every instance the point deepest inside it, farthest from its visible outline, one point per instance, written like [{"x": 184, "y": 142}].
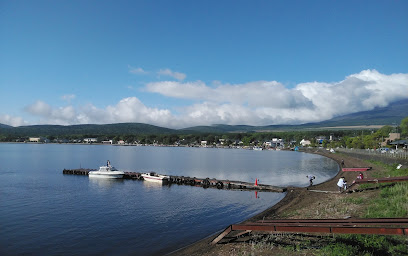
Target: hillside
[
  {"x": 5, "y": 126},
  {"x": 87, "y": 129},
  {"x": 390, "y": 115}
]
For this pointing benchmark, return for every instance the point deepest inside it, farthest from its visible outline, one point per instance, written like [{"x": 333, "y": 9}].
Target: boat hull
[
  {"x": 106, "y": 172},
  {"x": 106, "y": 176},
  {"x": 154, "y": 178}
]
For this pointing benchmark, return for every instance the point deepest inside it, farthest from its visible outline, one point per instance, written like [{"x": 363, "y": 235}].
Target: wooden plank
[
  {"x": 383, "y": 180},
  {"x": 360, "y": 220},
  {"x": 360, "y": 169},
  {"x": 322, "y": 229},
  {"x": 303, "y": 229},
  {"x": 222, "y": 235}
]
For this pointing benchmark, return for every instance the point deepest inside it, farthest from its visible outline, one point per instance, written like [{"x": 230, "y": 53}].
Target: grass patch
[
  {"x": 393, "y": 200},
  {"x": 366, "y": 245},
  {"x": 354, "y": 200},
  {"x": 391, "y": 170},
  {"x": 392, "y": 203}
]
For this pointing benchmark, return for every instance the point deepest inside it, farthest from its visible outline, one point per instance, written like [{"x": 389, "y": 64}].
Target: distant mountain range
[
  {"x": 5, "y": 126},
  {"x": 390, "y": 115}
]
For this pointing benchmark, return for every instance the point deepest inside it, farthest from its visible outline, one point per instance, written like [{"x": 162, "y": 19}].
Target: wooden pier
[{"x": 193, "y": 181}]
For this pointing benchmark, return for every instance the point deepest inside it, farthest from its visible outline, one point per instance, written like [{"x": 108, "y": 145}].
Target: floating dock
[{"x": 193, "y": 181}]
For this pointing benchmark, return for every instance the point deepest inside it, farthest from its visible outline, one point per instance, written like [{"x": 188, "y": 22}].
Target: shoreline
[{"x": 293, "y": 198}]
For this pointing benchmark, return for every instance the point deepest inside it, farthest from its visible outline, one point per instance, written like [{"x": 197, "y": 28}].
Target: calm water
[{"x": 43, "y": 211}]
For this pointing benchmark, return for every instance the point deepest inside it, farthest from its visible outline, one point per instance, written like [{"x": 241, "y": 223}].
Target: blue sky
[{"x": 184, "y": 63}]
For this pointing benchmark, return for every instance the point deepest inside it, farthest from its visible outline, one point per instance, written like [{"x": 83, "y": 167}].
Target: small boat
[
  {"x": 257, "y": 148},
  {"x": 152, "y": 176},
  {"x": 107, "y": 171}
]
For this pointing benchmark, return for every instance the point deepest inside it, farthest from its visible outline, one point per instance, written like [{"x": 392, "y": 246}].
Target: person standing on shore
[
  {"x": 360, "y": 176},
  {"x": 341, "y": 184},
  {"x": 311, "y": 178}
]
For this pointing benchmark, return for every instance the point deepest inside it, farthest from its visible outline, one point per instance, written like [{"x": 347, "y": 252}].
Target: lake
[{"x": 43, "y": 211}]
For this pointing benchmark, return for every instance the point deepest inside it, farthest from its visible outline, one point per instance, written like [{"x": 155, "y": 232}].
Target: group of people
[{"x": 342, "y": 183}]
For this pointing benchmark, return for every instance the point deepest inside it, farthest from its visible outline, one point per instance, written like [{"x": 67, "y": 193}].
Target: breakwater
[{"x": 194, "y": 181}]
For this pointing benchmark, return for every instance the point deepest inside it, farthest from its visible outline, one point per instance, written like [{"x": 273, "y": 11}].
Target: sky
[{"x": 179, "y": 64}]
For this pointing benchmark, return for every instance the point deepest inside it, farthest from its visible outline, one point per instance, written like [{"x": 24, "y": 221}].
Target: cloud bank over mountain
[{"x": 253, "y": 103}]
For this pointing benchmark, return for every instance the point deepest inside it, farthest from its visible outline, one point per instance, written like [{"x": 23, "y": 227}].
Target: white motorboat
[
  {"x": 107, "y": 171},
  {"x": 152, "y": 176}
]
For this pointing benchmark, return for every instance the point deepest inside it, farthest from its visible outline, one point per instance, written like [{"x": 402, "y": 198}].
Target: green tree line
[{"x": 342, "y": 138}]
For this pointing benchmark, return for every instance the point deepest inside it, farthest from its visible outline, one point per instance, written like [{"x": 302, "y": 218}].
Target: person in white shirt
[{"x": 341, "y": 183}]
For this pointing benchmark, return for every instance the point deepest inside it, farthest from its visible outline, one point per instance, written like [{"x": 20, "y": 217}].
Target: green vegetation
[
  {"x": 391, "y": 203},
  {"x": 404, "y": 127},
  {"x": 229, "y": 135},
  {"x": 365, "y": 245}
]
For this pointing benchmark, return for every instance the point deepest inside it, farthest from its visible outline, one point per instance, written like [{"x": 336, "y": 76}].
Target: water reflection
[
  {"x": 103, "y": 183},
  {"x": 155, "y": 185}
]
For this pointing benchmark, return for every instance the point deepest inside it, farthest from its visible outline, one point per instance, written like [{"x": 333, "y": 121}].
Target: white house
[
  {"x": 305, "y": 143},
  {"x": 34, "y": 139},
  {"x": 90, "y": 140},
  {"x": 274, "y": 143}
]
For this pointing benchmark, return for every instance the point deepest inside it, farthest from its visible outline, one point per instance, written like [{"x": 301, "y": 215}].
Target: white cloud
[
  {"x": 11, "y": 120},
  {"x": 126, "y": 110},
  {"x": 167, "y": 72},
  {"x": 269, "y": 102},
  {"x": 49, "y": 115},
  {"x": 39, "y": 108},
  {"x": 358, "y": 92},
  {"x": 255, "y": 94},
  {"x": 139, "y": 71},
  {"x": 68, "y": 97},
  {"x": 254, "y": 103}
]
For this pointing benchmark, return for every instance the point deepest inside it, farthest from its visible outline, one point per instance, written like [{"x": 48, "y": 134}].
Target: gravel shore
[{"x": 319, "y": 201}]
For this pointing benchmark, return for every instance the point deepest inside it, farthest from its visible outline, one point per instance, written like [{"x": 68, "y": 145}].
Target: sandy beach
[{"x": 319, "y": 201}]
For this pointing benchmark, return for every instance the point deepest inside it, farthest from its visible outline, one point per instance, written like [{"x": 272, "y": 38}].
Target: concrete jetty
[{"x": 194, "y": 181}]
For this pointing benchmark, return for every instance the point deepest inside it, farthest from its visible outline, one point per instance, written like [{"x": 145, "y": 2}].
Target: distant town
[{"x": 386, "y": 139}]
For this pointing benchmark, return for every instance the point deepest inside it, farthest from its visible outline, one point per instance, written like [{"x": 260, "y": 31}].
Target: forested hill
[
  {"x": 5, "y": 126},
  {"x": 87, "y": 129}
]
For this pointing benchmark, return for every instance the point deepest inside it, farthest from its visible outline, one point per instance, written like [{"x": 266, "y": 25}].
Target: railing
[
  {"x": 380, "y": 226},
  {"x": 390, "y": 153}
]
